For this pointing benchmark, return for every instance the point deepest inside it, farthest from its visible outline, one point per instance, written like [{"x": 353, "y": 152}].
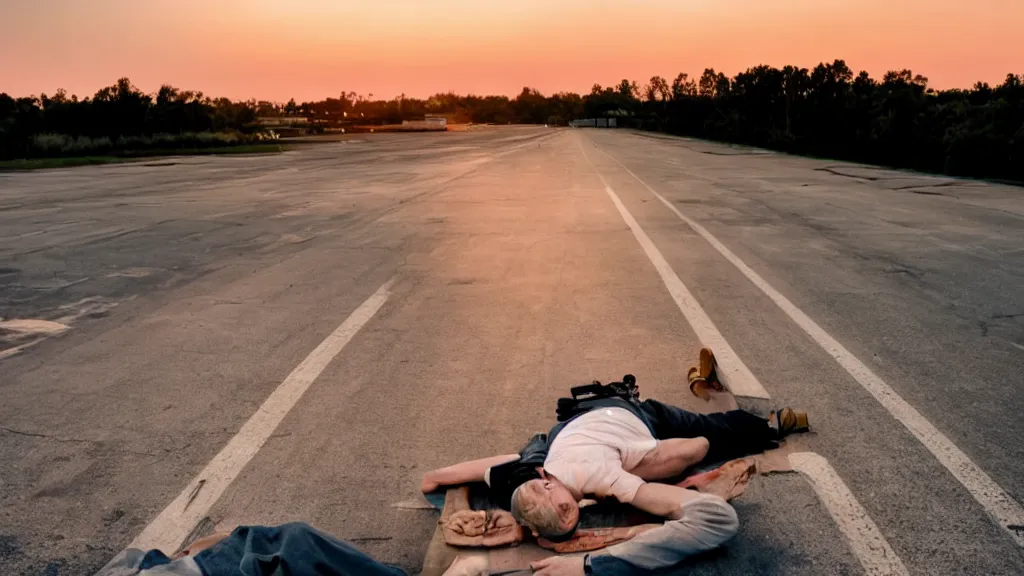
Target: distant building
[{"x": 437, "y": 119}]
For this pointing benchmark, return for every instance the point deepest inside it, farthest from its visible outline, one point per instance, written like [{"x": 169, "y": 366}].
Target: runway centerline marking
[
  {"x": 740, "y": 380},
  {"x": 862, "y": 534}
]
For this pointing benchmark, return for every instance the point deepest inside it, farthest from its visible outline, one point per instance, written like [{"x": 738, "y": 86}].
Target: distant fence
[{"x": 595, "y": 123}]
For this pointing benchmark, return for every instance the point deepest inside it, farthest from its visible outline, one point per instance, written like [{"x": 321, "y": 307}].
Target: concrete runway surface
[{"x": 299, "y": 337}]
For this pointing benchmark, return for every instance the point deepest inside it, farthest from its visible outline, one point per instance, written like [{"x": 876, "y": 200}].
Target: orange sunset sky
[{"x": 310, "y": 49}]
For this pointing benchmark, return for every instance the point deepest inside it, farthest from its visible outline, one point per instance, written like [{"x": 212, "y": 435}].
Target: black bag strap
[
  {"x": 595, "y": 389},
  {"x": 570, "y": 407}
]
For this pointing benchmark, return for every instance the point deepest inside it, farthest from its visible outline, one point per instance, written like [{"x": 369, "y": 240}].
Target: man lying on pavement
[{"x": 611, "y": 444}]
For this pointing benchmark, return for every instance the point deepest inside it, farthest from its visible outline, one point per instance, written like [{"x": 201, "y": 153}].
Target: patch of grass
[
  {"x": 43, "y": 163},
  {"x": 133, "y": 156},
  {"x": 264, "y": 148}
]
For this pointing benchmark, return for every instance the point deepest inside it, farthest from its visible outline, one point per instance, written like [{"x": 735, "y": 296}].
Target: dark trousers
[{"x": 732, "y": 434}]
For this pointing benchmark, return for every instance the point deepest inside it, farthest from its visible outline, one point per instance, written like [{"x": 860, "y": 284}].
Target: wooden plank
[
  {"x": 439, "y": 554},
  {"x": 454, "y": 500},
  {"x": 513, "y": 559}
]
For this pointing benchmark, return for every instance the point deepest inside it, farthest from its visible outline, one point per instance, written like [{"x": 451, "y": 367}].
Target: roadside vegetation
[
  {"x": 828, "y": 111},
  {"x": 133, "y": 155},
  {"x": 121, "y": 122},
  {"x": 832, "y": 112}
]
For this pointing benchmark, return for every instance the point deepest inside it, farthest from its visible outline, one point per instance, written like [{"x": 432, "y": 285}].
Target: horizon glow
[{"x": 311, "y": 49}]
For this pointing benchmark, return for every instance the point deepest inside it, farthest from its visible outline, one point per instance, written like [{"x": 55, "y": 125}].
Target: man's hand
[
  {"x": 559, "y": 566},
  {"x": 429, "y": 484}
]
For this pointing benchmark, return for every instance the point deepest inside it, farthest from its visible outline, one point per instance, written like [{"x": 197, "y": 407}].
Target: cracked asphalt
[{"x": 192, "y": 287}]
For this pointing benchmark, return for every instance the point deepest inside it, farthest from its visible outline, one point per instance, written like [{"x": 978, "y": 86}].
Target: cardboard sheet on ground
[{"x": 601, "y": 524}]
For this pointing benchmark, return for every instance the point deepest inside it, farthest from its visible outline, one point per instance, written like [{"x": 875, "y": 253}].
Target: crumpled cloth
[
  {"x": 590, "y": 539},
  {"x": 486, "y": 528}
]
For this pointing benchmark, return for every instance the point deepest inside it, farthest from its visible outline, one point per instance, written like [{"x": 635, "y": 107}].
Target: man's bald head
[{"x": 547, "y": 507}]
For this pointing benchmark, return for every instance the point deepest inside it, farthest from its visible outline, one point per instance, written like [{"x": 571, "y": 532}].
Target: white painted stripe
[
  {"x": 168, "y": 530},
  {"x": 1006, "y": 511},
  {"x": 732, "y": 370},
  {"x": 865, "y": 539}
]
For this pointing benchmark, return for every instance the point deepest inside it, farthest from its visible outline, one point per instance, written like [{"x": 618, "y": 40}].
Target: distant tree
[
  {"x": 707, "y": 84},
  {"x": 795, "y": 85},
  {"x": 904, "y": 77},
  {"x": 565, "y": 106},
  {"x": 120, "y": 110},
  {"x": 722, "y": 85},
  {"x": 166, "y": 95},
  {"x": 863, "y": 84},
  {"x": 658, "y": 89},
  {"x": 628, "y": 90},
  {"x": 835, "y": 74},
  {"x": 683, "y": 87},
  {"x": 59, "y": 97},
  {"x": 531, "y": 107}
]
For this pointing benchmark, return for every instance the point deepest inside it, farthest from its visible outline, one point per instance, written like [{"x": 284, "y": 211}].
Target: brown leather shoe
[
  {"x": 787, "y": 421},
  {"x": 708, "y": 365},
  {"x": 704, "y": 377},
  {"x": 698, "y": 386}
]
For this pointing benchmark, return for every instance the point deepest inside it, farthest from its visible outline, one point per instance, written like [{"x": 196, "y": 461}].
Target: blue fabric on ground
[
  {"x": 289, "y": 549},
  {"x": 611, "y": 566},
  {"x": 153, "y": 558}
]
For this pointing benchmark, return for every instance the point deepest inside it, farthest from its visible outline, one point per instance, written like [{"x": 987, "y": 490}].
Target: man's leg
[
  {"x": 293, "y": 548},
  {"x": 730, "y": 434}
]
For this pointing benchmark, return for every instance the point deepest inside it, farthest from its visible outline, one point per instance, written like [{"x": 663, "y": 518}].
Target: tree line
[
  {"x": 826, "y": 111},
  {"x": 831, "y": 112},
  {"x": 117, "y": 117}
]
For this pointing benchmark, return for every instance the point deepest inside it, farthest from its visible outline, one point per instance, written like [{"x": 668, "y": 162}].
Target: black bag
[{"x": 570, "y": 407}]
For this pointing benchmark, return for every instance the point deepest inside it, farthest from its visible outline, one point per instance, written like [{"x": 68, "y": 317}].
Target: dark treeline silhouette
[
  {"x": 529, "y": 107},
  {"x": 119, "y": 117},
  {"x": 827, "y": 111},
  {"x": 830, "y": 112}
]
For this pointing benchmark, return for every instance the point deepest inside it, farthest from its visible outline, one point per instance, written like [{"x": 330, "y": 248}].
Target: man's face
[{"x": 548, "y": 497}]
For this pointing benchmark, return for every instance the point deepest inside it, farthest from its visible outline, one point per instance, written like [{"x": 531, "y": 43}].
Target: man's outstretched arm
[
  {"x": 462, "y": 473},
  {"x": 697, "y": 523}
]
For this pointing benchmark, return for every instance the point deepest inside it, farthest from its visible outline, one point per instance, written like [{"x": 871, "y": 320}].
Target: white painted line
[
  {"x": 1006, "y": 511},
  {"x": 866, "y": 541},
  {"x": 734, "y": 373},
  {"x": 167, "y": 531}
]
